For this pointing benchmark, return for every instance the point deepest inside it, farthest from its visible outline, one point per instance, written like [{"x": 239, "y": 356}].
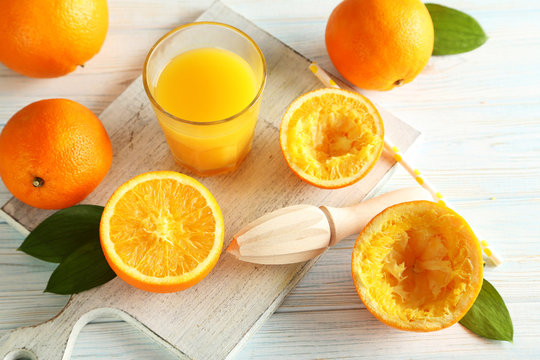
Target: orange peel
[
  {"x": 417, "y": 266},
  {"x": 331, "y": 138}
]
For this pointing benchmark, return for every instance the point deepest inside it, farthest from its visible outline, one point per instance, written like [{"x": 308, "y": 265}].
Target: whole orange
[
  {"x": 379, "y": 44},
  {"x": 53, "y": 153},
  {"x": 51, "y": 38}
]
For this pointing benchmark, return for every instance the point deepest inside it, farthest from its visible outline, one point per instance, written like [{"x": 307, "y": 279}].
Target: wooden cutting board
[{"x": 213, "y": 319}]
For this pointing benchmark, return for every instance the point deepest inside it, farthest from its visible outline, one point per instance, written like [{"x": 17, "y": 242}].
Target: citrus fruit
[
  {"x": 331, "y": 138},
  {"x": 51, "y": 38},
  {"x": 53, "y": 153},
  {"x": 417, "y": 266},
  {"x": 162, "y": 231},
  {"x": 379, "y": 44}
]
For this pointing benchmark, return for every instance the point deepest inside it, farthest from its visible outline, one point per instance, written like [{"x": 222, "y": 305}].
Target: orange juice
[
  {"x": 206, "y": 84},
  {"x": 213, "y": 90}
]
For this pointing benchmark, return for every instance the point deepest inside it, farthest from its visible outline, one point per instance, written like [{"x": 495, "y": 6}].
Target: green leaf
[
  {"x": 84, "y": 269},
  {"x": 63, "y": 232},
  {"x": 489, "y": 317},
  {"x": 455, "y": 31}
]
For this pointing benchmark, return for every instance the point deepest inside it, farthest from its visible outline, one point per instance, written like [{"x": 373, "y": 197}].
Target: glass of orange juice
[{"x": 205, "y": 81}]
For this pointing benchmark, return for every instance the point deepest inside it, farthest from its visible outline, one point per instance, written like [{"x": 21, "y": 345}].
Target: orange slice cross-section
[{"x": 162, "y": 231}]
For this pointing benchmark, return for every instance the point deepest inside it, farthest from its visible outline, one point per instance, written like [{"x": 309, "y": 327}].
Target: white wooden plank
[
  {"x": 118, "y": 340},
  {"x": 302, "y": 26},
  {"x": 485, "y": 100},
  {"x": 236, "y": 298},
  {"x": 356, "y": 334},
  {"x": 329, "y": 286},
  {"x": 321, "y": 334}
]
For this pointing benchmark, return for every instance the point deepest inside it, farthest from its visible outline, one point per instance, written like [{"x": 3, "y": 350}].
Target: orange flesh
[
  {"x": 162, "y": 228},
  {"x": 332, "y": 137},
  {"x": 419, "y": 266}
]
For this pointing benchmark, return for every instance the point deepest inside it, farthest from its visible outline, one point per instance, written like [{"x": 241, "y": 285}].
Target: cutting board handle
[{"x": 50, "y": 340}]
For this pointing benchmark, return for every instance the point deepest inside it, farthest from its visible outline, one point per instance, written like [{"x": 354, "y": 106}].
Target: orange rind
[
  {"x": 417, "y": 266},
  {"x": 331, "y": 138},
  {"x": 162, "y": 231}
]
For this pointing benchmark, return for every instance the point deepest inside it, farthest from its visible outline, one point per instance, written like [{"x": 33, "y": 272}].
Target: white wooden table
[{"x": 480, "y": 116}]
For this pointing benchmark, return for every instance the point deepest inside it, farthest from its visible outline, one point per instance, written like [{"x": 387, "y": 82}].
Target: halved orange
[
  {"x": 417, "y": 266},
  {"x": 331, "y": 138},
  {"x": 162, "y": 231}
]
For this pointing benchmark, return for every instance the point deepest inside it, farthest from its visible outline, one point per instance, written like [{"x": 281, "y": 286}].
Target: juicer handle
[{"x": 351, "y": 220}]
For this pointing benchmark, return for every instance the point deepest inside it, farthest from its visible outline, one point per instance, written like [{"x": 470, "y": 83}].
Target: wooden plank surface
[
  {"x": 479, "y": 116},
  {"x": 237, "y": 297}
]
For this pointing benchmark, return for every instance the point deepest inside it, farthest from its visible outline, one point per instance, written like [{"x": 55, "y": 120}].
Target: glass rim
[{"x": 220, "y": 121}]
